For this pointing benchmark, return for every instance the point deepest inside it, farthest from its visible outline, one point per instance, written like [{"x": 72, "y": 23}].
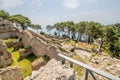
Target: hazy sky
[{"x": 50, "y": 11}]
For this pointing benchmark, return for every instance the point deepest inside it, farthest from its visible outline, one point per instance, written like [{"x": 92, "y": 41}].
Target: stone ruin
[
  {"x": 33, "y": 43},
  {"x": 51, "y": 71},
  {"x": 36, "y": 64},
  {"x": 5, "y": 56},
  {"x": 40, "y": 45},
  {"x": 7, "y": 29},
  {"x": 11, "y": 73}
]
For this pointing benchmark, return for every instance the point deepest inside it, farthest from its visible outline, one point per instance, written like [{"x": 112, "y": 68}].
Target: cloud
[
  {"x": 76, "y": 3},
  {"x": 71, "y": 3},
  {"x": 8, "y": 4}
]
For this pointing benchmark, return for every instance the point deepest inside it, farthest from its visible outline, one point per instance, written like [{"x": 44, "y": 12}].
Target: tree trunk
[
  {"x": 49, "y": 32},
  {"x": 88, "y": 39},
  {"x": 69, "y": 34},
  {"x": 99, "y": 46},
  {"x": 78, "y": 38}
]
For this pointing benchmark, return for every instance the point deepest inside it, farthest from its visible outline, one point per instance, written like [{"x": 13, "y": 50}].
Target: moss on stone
[{"x": 24, "y": 64}]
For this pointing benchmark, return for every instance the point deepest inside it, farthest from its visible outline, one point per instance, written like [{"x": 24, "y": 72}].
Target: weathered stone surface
[
  {"x": 5, "y": 24},
  {"x": 36, "y": 64},
  {"x": 5, "y": 56},
  {"x": 17, "y": 45},
  {"x": 53, "y": 70},
  {"x": 83, "y": 54},
  {"x": 7, "y": 29},
  {"x": 9, "y": 44},
  {"x": 39, "y": 45},
  {"x": 24, "y": 52},
  {"x": 11, "y": 73},
  {"x": 107, "y": 63}
]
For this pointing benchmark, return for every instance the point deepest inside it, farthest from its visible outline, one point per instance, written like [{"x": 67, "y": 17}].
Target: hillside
[{"x": 26, "y": 55}]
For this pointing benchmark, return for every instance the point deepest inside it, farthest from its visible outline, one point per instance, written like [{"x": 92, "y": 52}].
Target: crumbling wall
[
  {"x": 5, "y": 56},
  {"x": 7, "y": 29},
  {"x": 38, "y": 46},
  {"x": 53, "y": 70},
  {"x": 11, "y": 73}
]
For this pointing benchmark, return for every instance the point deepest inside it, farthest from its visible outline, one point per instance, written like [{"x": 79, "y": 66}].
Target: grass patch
[
  {"x": 25, "y": 63},
  {"x": 85, "y": 45},
  {"x": 78, "y": 69},
  {"x": 10, "y": 40},
  {"x": 70, "y": 42},
  {"x": 92, "y": 56}
]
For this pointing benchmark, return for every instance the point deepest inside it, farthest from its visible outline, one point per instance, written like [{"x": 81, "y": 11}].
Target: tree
[
  {"x": 35, "y": 26},
  {"x": 49, "y": 28},
  {"x": 57, "y": 27},
  {"x": 81, "y": 29},
  {"x": 4, "y": 14},
  {"x": 20, "y": 19},
  {"x": 93, "y": 31},
  {"x": 117, "y": 25},
  {"x": 69, "y": 26},
  {"x": 111, "y": 38}
]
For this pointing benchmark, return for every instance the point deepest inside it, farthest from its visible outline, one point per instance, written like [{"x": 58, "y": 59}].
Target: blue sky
[{"x": 46, "y": 12}]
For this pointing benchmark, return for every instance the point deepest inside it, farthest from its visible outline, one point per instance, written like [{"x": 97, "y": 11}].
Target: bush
[
  {"x": 46, "y": 58},
  {"x": 42, "y": 33},
  {"x": 28, "y": 47}
]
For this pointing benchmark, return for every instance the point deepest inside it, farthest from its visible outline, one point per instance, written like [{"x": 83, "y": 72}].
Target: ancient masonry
[
  {"x": 5, "y": 56},
  {"x": 40, "y": 45},
  {"x": 11, "y": 73},
  {"x": 7, "y": 29},
  {"x": 51, "y": 71}
]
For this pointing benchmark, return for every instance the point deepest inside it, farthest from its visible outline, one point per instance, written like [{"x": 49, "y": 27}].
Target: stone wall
[
  {"x": 36, "y": 64},
  {"x": 11, "y": 73},
  {"x": 39, "y": 46},
  {"x": 7, "y": 29},
  {"x": 9, "y": 34},
  {"x": 24, "y": 52},
  {"x": 5, "y": 56},
  {"x": 5, "y": 24}
]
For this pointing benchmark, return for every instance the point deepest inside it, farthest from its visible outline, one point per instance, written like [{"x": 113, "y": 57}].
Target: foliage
[
  {"x": 46, "y": 58},
  {"x": 49, "y": 28},
  {"x": 10, "y": 40},
  {"x": 28, "y": 47},
  {"x": 79, "y": 70},
  {"x": 25, "y": 63},
  {"x": 35, "y": 26},
  {"x": 112, "y": 40},
  {"x": 4, "y": 14},
  {"x": 42, "y": 33},
  {"x": 108, "y": 35},
  {"x": 20, "y": 19}
]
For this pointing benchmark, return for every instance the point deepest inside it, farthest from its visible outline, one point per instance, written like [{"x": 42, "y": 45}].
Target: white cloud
[
  {"x": 8, "y": 4},
  {"x": 71, "y": 3}
]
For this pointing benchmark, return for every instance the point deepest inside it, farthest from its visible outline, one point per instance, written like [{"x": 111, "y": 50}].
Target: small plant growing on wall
[{"x": 28, "y": 47}]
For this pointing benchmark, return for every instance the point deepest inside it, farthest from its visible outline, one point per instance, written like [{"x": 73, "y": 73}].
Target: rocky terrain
[
  {"x": 101, "y": 61},
  {"x": 7, "y": 29},
  {"x": 5, "y": 56},
  {"x": 40, "y": 45},
  {"x": 53, "y": 70},
  {"x": 11, "y": 73},
  {"x": 28, "y": 42}
]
